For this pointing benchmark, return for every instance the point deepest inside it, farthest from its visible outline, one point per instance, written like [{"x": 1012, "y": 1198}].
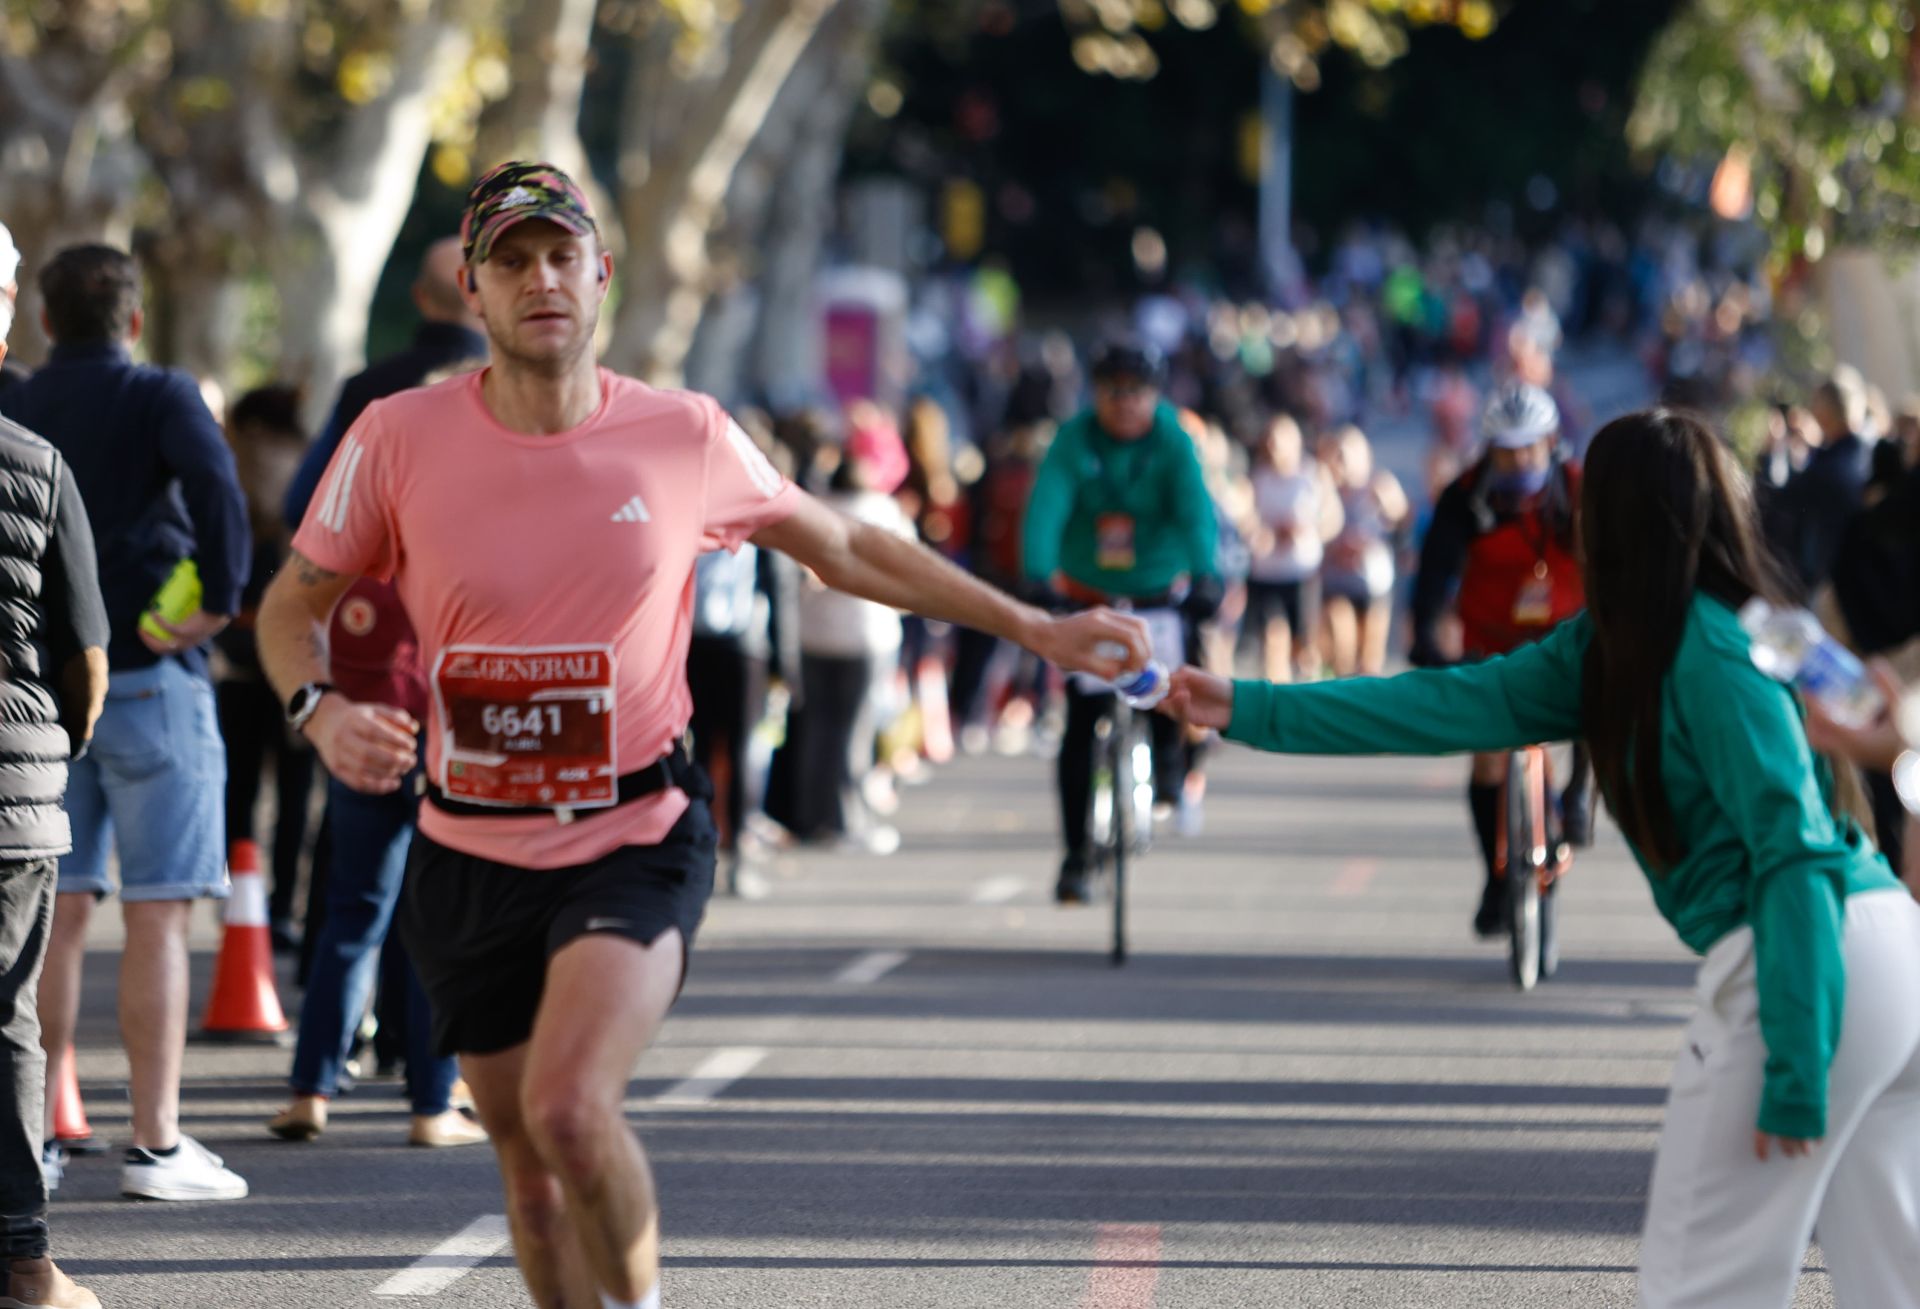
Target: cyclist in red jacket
[{"x": 1501, "y": 551}]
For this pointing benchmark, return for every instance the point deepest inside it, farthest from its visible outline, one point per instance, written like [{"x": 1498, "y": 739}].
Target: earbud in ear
[
  {"x": 603, "y": 273},
  {"x": 473, "y": 283}
]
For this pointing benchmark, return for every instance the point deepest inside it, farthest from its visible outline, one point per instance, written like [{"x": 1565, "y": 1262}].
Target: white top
[
  {"x": 844, "y": 626},
  {"x": 1289, "y": 507}
]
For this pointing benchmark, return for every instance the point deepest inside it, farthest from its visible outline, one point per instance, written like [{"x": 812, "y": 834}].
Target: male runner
[{"x": 541, "y": 520}]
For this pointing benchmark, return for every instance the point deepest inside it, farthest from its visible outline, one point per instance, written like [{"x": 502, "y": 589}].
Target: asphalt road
[{"x": 915, "y": 1082}]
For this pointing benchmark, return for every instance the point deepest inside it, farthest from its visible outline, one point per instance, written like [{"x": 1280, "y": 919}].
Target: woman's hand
[
  {"x": 1791, "y": 1147},
  {"x": 1199, "y": 699},
  {"x": 1874, "y": 746}
]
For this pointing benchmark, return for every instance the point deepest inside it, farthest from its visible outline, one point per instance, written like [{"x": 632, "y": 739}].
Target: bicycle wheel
[
  {"x": 1138, "y": 757},
  {"x": 1550, "y": 929},
  {"x": 1100, "y": 807},
  {"x": 1122, "y": 795},
  {"x": 1523, "y": 871}
]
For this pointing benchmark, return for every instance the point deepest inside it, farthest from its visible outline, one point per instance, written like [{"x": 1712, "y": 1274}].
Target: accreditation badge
[
  {"x": 527, "y": 726},
  {"x": 1533, "y": 607},
  {"x": 1113, "y": 542}
]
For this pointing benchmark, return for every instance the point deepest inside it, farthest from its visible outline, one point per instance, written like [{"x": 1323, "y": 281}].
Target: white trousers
[{"x": 1725, "y": 1230}]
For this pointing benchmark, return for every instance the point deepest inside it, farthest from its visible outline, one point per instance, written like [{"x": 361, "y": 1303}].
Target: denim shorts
[{"x": 152, "y": 787}]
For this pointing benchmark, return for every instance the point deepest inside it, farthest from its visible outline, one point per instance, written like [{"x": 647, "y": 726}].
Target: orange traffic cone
[
  {"x": 244, "y": 1005},
  {"x": 70, "y": 1127}
]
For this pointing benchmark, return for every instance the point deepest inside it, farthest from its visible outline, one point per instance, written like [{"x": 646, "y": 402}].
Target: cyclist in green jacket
[
  {"x": 1120, "y": 511},
  {"x": 1807, "y": 1033}
]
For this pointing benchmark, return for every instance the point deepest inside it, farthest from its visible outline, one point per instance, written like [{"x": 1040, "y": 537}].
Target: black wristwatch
[{"x": 301, "y": 707}]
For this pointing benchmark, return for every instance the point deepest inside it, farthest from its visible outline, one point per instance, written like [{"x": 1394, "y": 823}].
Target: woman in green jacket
[{"x": 1796, "y": 1096}]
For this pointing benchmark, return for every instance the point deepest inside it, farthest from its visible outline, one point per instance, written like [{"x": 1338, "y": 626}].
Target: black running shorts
[{"x": 480, "y": 933}]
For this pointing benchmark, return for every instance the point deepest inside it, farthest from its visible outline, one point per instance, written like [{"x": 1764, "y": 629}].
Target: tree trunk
[
  {"x": 336, "y": 233},
  {"x": 551, "y": 43},
  {"x": 198, "y": 304},
  {"x": 671, "y": 198},
  {"x": 784, "y": 362},
  {"x": 69, "y": 171}
]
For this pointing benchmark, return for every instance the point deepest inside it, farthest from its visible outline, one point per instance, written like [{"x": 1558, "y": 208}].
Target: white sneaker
[
  {"x": 879, "y": 839},
  {"x": 1189, "y": 817},
  {"x": 191, "y": 1172},
  {"x": 53, "y": 1165}
]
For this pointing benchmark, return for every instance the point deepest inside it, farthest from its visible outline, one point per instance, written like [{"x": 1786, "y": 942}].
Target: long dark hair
[{"x": 1664, "y": 513}]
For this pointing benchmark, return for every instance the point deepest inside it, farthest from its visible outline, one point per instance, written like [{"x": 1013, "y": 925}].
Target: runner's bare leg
[
  {"x": 544, "y": 1241},
  {"x": 605, "y": 999}
]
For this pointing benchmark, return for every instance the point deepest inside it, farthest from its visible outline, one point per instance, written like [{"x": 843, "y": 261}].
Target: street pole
[{"x": 1276, "y": 179}]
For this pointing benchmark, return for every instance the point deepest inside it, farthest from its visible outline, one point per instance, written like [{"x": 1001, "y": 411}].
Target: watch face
[{"x": 305, "y": 701}]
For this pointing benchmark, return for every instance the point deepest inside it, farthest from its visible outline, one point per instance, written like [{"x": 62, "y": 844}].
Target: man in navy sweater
[{"x": 159, "y": 486}]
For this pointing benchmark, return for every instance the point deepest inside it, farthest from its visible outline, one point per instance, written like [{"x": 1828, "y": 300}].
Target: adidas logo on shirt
[{"x": 633, "y": 511}]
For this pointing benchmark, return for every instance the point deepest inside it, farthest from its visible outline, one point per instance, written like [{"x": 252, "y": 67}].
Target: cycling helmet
[
  {"x": 1126, "y": 357},
  {"x": 1518, "y": 415}
]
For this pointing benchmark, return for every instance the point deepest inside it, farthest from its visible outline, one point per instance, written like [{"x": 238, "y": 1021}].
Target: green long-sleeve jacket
[
  {"x": 1156, "y": 482},
  {"x": 1751, "y": 801}
]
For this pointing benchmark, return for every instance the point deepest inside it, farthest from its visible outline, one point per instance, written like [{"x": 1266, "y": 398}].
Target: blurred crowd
[
  {"x": 1838, "y": 481},
  {"x": 813, "y": 708}
]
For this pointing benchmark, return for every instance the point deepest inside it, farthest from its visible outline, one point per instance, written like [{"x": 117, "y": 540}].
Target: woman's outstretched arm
[{"x": 1530, "y": 696}]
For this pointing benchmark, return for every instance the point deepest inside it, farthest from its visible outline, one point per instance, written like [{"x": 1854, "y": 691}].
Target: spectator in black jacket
[
  {"x": 263, "y": 426},
  {"x": 1819, "y": 502},
  {"x": 160, "y": 488},
  {"x": 53, "y": 678}
]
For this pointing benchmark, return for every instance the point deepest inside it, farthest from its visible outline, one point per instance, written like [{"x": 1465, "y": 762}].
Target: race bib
[
  {"x": 1113, "y": 542},
  {"x": 1533, "y": 607},
  {"x": 527, "y": 726}
]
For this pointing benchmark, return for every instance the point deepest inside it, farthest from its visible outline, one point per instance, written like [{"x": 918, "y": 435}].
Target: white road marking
[
  {"x": 451, "y": 1260},
  {"x": 999, "y": 890},
  {"x": 722, "y": 1069},
  {"x": 1126, "y": 1267},
  {"x": 870, "y": 967},
  {"x": 1354, "y": 878}
]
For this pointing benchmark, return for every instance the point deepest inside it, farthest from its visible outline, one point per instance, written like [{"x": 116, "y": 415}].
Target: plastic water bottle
[
  {"x": 1791, "y": 646},
  {"x": 1143, "y": 688}
]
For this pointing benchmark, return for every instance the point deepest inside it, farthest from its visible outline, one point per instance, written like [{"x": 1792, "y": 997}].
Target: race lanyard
[
  {"x": 1113, "y": 542},
  {"x": 1115, "y": 531},
  {"x": 1533, "y": 606}
]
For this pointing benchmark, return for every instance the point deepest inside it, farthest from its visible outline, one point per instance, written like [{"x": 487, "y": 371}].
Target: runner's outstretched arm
[
  {"x": 369, "y": 747},
  {"x": 874, "y": 564}
]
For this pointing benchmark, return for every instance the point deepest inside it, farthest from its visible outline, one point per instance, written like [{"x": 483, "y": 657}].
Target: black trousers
[
  {"x": 1085, "y": 711},
  {"x": 967, "y": 689},
  {"x": 836, "y": 741},
  {"x": 253, "y": 723},
  {"x": 26, "y": 918},
  {"x": 729, "y": 689}
]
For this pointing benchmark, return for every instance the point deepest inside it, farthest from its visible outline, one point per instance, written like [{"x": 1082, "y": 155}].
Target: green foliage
[
  {"x": 1818, "y": 96},
  {"x": 1114, "y": 36}
]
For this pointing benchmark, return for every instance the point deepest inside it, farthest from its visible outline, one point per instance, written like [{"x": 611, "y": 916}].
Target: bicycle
[
  {"x": 1532, "y": 855},
  {"x": 1121, "y": 799}
]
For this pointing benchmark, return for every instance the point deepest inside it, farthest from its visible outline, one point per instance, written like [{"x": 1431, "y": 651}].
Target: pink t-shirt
[{"x": 507, "y": 542}]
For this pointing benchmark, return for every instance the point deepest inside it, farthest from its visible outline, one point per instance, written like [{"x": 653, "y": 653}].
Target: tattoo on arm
[{"x": 309, "y": 573}]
